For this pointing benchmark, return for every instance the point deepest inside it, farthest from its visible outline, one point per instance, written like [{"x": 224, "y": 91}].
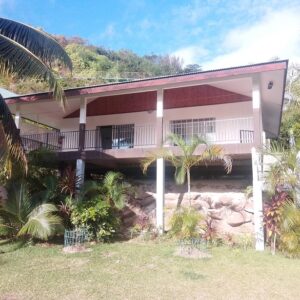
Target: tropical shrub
[
  {"x": 273, "y": 217},
  {"x": 115, "y": 190},
  {"x": 290, "y": 230},
  {"x": 97, "y": 216},
  {"x": 21, "y": 217},
  {"x": 185, "y": 223}
]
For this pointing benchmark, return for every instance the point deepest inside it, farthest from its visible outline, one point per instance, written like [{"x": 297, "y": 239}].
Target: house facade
[{"x": 118, "y": 124}]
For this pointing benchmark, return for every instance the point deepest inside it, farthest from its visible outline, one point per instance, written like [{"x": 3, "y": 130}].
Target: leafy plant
[
  {"x": 69, "y": 181},
  {"x": 116, "y": 190},
  {"x": 187, "y": 159},
  {"x": 185, "y": 223},
  {"x": 273, "y": 217},
  {"x": 20, "y": 217},
  {"x": 290, "y": 230},
  {"x": 283, "y": 172},
  {"x": 97, "y": 216}
]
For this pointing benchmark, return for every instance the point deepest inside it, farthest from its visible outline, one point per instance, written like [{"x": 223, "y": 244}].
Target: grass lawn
[{"x": 149, "y": 270}]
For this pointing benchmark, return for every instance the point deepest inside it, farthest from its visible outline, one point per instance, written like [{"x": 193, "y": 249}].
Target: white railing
[{"x": 226, "y": 131}]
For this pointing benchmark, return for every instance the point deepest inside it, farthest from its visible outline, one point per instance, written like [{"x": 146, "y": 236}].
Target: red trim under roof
[
  {"x": 159, "y": 81},
  {"x": 173, "y": 98}
]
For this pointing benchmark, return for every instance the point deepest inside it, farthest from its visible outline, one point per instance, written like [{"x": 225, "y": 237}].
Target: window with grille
[
  {"x": 191, "y": 127},
  {"x": 122, "y": 136}
]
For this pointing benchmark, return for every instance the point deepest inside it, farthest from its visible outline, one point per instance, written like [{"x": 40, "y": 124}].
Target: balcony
[{"x": 131, "y": 136}]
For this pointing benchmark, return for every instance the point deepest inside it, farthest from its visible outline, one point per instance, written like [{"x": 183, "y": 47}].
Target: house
[{"x": 117, "y": 124}]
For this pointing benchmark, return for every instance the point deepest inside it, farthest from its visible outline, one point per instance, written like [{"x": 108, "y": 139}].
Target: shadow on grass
[{"x": 11, "y": 245}]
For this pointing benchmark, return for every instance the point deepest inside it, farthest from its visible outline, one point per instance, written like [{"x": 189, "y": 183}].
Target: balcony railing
[
  {"x": 229, "y": 131},
  {"x": 226, "y": 131}
]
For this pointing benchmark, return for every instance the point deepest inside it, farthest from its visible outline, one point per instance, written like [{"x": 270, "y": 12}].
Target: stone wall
[{"x": 221, "y": 199}]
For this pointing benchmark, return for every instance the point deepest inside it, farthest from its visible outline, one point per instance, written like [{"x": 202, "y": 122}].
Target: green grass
[{"x": 149, "y": 270}]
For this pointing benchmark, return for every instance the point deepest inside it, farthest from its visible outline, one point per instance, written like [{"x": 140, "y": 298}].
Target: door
[{"x": 106, "y": 137}]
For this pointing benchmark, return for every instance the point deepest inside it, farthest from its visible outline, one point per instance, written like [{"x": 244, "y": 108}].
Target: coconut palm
[
  {"x": 11, "y": 149},
  {"x": 20, "y": 217},
  {"x": 25, "y": 52},
  {"x": 186, "y": 159}
]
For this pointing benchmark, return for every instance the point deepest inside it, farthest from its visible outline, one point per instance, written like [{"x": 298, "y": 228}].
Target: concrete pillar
[
  {"x": 257, "y": 164},
  {"x": 80, "y": 163},
  {"x": 257, "y": 112},
  {"x": 160, "y": 165},
  {"x": 18, "y": 117},
  {"x": 257, "y": 203},
  {"x": 80, "y": 169}
]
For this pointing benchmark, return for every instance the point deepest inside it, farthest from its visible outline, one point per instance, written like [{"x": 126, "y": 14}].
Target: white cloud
[
  {"x": 275, "y": 35},
  {"x": 190, "y": 54}
]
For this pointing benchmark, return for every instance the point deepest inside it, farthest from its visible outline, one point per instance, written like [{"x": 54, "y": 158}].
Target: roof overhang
[{"x": 235, "y": 79}]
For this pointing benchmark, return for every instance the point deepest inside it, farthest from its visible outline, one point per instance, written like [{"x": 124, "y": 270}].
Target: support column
[
  {"x": 18, "y": 117},
  {"x": 257, "y": 164},
  {"x": 80, "y": 163},
  {"x": 160, "y": 165}
]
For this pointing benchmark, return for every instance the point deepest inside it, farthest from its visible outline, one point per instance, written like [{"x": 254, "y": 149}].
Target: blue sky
[{"x": 212, "y": 33}]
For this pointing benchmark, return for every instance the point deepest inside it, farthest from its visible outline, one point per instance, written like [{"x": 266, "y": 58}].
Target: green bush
[
  {"x": 290, "y": 230},
  {"x": 98, "y": 217},
  {"x": 185, "y": 223}
]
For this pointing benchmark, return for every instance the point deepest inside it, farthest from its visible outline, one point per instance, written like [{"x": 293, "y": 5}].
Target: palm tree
[
  {"x": 26, "y": 52},
  {"x": 284, "y": 170},
  {"x": 187, "y": 159},
  {"x": 20, "y": 217},
  {"x": 11, "y": 149},
  {"x": 115, "y": 189}
]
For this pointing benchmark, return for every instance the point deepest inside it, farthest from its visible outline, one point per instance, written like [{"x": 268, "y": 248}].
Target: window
[
  {"x": 122, "y": 136},
  {"x": 190, "y": 127}
]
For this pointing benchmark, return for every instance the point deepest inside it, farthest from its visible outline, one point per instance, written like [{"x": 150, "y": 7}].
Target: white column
[
  {"x": 160, "y": 194},
  {"x": 80, "y": 162},
  {"x": 18, "y": 116},
  {"x": 257, "y": 111},
  {"x": 256, "y": 164},
  {"x": 257, "y": 203},
  {"x": 160, "y": 165},
  {"x": 82, "y": 114}
]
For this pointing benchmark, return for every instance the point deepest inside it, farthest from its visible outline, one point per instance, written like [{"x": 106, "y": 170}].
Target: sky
[{"x": 211, "y": 33}]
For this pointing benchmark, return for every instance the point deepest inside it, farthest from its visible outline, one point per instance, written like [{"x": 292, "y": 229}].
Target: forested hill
[{"x": 95, "y": 65}]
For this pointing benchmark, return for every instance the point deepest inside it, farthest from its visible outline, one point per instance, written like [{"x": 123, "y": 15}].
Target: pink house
[{"x": 115, "y": 125}]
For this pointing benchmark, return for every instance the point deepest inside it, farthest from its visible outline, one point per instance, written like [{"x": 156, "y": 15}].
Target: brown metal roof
[{"x": 159, "y": 81}]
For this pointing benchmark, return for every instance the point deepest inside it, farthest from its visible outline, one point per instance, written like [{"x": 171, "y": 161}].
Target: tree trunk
[
  {"x": 273, "y": 246},
  {"x": 189, "y": 186}
]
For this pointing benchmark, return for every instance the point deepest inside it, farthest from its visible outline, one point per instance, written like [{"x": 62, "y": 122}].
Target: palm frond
[
  {"x": 11, "y": 148},
  {"x": 42, "y": 222},
  {"x": 193, "y": 144},
  {"x": 176, "y": 140},
  {"x": 159, "y": 153},
  {"x": 214, "y": 153},
  {"x": 36, "y": 41},
  {"x": 16, "y": 59},
  {"x": 111, "y": 178}
]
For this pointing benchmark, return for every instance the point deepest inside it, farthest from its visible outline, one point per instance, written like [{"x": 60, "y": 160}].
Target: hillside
[{"x": 95, "y": 65}]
